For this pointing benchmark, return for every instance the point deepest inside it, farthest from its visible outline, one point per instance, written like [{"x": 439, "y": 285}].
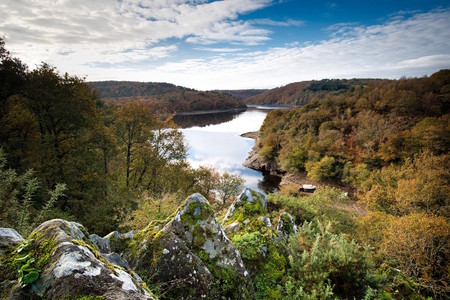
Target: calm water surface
[{"x": 214, "y": 140}]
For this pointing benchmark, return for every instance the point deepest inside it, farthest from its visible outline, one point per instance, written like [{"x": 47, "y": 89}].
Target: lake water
[{"x": 214, "y": 140}]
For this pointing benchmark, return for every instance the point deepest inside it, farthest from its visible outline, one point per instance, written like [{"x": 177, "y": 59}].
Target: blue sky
[{"x": 230, "y": 44}]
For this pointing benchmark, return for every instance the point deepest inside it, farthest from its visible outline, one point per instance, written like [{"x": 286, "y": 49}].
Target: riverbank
[{"x": 256, "y": 162}]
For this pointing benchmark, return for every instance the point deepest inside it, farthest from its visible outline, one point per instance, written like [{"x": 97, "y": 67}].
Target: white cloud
[
  {"x": 270, "y": 22},
  {"x": 133, "y": 40},
  {"x": 414, "y": 46},
  {"x": 102, "y": 27},
  {"x": 219, "y": 50}
]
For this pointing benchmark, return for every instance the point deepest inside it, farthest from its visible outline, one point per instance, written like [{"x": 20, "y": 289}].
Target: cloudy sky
[{"x": 230, "y": 44}]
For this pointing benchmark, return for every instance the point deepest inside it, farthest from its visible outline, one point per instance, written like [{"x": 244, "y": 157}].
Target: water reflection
[
  {"x": 220, "y": 145},
  {"x": 203, "y": 120}
]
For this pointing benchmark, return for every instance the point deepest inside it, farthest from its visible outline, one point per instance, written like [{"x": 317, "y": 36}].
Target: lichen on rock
[
  {"x": 190, "y": 257},
  {"x": 69, "y": 265}
]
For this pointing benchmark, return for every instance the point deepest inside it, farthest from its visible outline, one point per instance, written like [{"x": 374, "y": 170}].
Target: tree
[
  {"x": 321, "y": 169},
  {"x": 134, "y": 125},
  {"x": 229, "y": 186},
  {"x": 207, "y": 179}
]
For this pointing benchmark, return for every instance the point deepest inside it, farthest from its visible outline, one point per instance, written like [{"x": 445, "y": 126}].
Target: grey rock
[
  {"x": 233, "y": 227},
  {"x": 116, "y": 259},
  {"x": 74, "y": 268},
  {"x": 9, "y": 236},
  {"x": 189, "y": 256},
  {"x": 247, "y": 195}
]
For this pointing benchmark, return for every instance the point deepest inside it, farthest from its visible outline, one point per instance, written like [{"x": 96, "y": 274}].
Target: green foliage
[
  {"x": 17, "y": 195},
  {"x": 229, "y": 186},
  {"x": 357, "y": 176},
  {"x": 327, "y": 204},
  {"x": 321, "y": 169},
  {"x": 324, "y": 264}
]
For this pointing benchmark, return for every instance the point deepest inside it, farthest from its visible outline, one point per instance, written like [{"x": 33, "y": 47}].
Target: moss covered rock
[
  {"x": 286, "y": 225},
  {"x": 263, "y": 249},
  {"x": 190, "y": 257},
  {"x": 58, "y": 261}
]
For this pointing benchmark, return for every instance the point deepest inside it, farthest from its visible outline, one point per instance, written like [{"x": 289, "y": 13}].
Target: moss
[
  {"x": 84, "y": 230},
  {"x": 287, "y": 224},
  {"x": 149, "y": 233},
  {"x": 265, "y": 260},
  {"x": 189, "y": 216},
  {"x": 45, "y": 251},
  {"x": 199, "y": 238}
]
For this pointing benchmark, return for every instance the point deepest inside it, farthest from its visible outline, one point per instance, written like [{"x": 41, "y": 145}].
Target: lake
[{"x": 214, "y": 140}]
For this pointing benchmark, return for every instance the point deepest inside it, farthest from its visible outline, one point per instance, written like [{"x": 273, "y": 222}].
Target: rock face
[
  {"x": 190, "y": 257},
  {"x": 58, "y": 261},
  {"x": 262, "y": 248},
  {"x": 256, "y": 162}
]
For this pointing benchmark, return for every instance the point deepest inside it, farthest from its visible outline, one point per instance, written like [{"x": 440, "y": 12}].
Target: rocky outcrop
[
  {"x": 58, "y": 261},
  {"x": 256, "y": 162},
  {"x": 190, "y": 257},
  {"x": 187, "y": 256},
  {"x": 262, "y": 248},
  {"x": 286, "y": 225}
]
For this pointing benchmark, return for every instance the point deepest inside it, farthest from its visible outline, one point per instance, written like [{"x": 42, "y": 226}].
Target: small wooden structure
[{"x": 308, "y": 188}]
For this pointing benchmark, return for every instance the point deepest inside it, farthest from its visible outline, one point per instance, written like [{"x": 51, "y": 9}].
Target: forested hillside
[
  {"x": 242, "y": 94},
  {"x": 300, "y": 93},
  {"x": 165, "y": 96},
  {"x": 388, "y": 140}
]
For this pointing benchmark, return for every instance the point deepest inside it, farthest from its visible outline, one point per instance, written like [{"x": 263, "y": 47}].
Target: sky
[{"x": 230, "y": 44}]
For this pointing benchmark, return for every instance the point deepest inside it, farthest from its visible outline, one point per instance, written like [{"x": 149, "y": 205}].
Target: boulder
[
  {"x": 190, "y": 256},
  {"x": 58, "y": 261},
  {"x": 9, "y": 238},
  {"x": 113, "y": 242}
]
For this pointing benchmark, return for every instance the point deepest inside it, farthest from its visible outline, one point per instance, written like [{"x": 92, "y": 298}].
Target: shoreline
[
  {"x": 214, "y": 111},
  {"x": 251, "y": 135}
]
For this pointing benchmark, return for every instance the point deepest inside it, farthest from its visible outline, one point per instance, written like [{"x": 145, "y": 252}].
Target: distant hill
[
  {"x": 242, "y": 94},
  {"x": 165, "y": 96},
  {"x": 299, "y": 93}
]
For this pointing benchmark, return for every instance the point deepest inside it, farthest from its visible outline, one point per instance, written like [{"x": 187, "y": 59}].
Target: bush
[
  {"x": 326, "y": 204},
  {"x": 324, "y": 263}
]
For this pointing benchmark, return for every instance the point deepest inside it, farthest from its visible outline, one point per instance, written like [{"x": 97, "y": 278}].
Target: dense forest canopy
[
  {"x": 300, "y": 93},
  {"x": 165, "y": 96}
]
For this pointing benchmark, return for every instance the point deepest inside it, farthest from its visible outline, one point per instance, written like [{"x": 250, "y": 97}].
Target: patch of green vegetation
[
  {"x": 323, "y": 204},
  {"x": 287, "y": 224},
  {"x": 194, "y": 212},
  {"x": 199, "y": 238}
]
